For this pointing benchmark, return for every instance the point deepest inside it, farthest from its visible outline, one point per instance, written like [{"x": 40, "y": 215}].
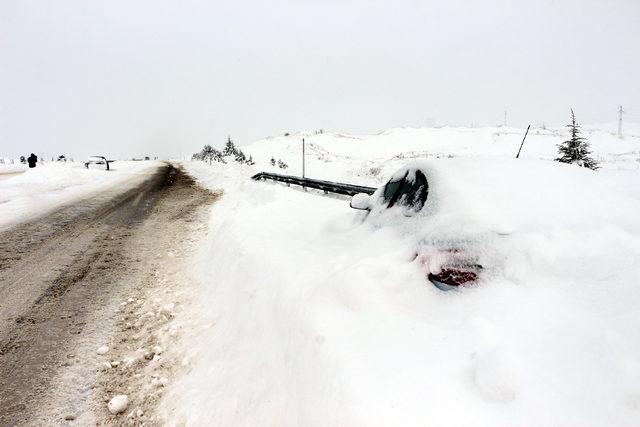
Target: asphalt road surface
[{"x": 61, "y": 274}]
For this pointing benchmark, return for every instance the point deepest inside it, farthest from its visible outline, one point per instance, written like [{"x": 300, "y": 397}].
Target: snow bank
[
  {"x": 52, "y": 185},
  {"x": 308, "y": 316},
  {"x": 11, "y": 168}
]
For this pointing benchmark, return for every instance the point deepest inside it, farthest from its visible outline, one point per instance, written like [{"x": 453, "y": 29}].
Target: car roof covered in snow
[{"x": 507, "y": 195}]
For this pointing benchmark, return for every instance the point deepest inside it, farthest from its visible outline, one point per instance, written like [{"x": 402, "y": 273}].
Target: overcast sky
[{"x": 163, "y": 78}]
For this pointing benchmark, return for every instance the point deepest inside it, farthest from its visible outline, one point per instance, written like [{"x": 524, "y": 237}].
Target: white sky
[{"x": 153, "y": 77}]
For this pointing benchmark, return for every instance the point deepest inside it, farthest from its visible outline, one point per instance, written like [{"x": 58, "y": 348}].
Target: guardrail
[{"x": 326, "y": 186}]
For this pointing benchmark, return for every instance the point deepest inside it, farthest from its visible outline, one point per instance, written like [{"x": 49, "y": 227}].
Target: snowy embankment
[
  {"x": 9, "y": 169},
  {"x": 49, "y": 186},
  {"x": 308, "y": 316}
]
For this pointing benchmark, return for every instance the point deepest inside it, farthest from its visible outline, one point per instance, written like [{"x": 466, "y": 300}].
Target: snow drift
[{"x": 310, "y": 316}]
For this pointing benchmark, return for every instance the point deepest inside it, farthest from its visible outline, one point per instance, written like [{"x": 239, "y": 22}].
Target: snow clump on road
[{"x": 118, "y": 404}]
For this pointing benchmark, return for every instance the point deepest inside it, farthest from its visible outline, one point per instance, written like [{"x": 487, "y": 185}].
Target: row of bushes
[{"x": 210, "y": 154}]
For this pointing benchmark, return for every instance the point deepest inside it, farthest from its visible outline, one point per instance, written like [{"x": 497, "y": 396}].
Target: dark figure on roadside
[{"x": 32, "y": 159}]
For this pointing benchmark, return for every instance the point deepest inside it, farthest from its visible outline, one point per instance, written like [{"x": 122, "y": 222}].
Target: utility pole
[
  {"x": 302, "y": 158},
  {"x": 620, "y": 121}
]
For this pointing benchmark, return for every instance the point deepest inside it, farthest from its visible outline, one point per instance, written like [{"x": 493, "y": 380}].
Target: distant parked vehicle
[{"x": 98, "y": 162}]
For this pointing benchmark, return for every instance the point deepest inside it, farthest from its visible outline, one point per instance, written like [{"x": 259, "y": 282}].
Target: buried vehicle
[
  {"x": 449, "y": 264},
  {"x": 98, "y": 162},
  {"x": 469, "y": 220}
]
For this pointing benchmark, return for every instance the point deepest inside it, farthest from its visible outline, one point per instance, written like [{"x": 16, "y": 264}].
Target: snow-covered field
[
  {"x": 370, "y": 159},
  {"x": 49, "y": 186},
  {"x": 309, "y": 316}
]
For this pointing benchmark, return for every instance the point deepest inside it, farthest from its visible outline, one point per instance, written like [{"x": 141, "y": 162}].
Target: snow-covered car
[
  {"x": 473, "y": 220},
  {"x": 97, "y": 162},
  {"x": 449, "y": 263}
]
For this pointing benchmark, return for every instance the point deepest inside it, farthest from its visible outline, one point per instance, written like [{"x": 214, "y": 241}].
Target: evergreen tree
[
  {"x": 576, "y": 149},
  {"x": 250, "y": 161},
  {"x": 217, "y": 156},
  {"x": 229, "y": 148},
  {"x": 240, "y": 157},
  {"x": 208, "y": 154},
  {"x": 206, "y": 151},
  {"x": 282, "y": 165},
  {"x": 273, "y": 161}
]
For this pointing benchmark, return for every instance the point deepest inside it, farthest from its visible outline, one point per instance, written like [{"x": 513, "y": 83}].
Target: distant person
[{"x": 32, "y": 160}]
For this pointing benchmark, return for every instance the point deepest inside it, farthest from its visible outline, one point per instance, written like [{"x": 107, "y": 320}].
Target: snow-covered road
[
  {"x": 78, "y": 280},
  {"x": 29, "y": 193}
]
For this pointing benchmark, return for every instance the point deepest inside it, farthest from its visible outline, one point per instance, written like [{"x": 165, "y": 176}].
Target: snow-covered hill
[{"x": 367, "y": 159}]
